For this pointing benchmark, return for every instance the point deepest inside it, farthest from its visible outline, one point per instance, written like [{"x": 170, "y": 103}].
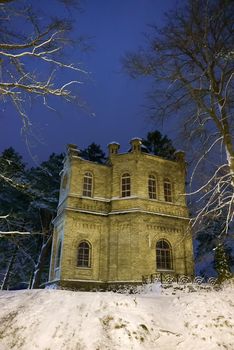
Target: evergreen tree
[
  {"x": 159, "y": 145},
  {"x": 14, "y": 201},
  {"x": 30, "y": 199},
  {"x": 209, "y": 241},
  {"x": 45, "y": 182},
  {"x": 94, "y": 153},
  {"x": 222, "y": 260}
]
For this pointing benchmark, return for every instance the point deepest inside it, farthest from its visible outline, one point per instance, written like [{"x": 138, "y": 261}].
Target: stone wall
[{"x": 122, "y": 232}]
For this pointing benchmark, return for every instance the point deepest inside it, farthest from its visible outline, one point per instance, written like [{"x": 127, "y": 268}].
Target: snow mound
[{"x": 155, "y": 319}]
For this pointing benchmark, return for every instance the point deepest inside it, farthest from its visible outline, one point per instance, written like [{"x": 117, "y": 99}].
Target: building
[{"x": 121, "y": 220}]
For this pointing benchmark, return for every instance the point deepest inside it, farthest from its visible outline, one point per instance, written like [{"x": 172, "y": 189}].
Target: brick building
[{"x": 121, "y": 220}]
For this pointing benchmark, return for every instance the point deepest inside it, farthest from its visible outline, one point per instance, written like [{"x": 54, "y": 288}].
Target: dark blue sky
[{"x": 116, "y": 100}]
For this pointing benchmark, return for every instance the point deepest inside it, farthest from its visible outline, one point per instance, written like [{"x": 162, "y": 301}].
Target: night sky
[{"x": 116, "y": 103}]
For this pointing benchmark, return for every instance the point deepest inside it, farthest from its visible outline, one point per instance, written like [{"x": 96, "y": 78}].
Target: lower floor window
[
  {"x": 163, "y": 255},
  {"x": 58, "y": 254},
  {"x": 84, "y": 255}
]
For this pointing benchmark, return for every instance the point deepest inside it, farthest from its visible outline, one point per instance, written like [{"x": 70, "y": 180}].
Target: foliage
[
  {"x": 14, "y": 202},
  {"x": 28, "y": 201},
  {"x": 45, "y": 182},
  {"x": 159, "y": 145},
  {"x": 209, "y": 237},
  {"x": 222, "y": 262},
  {"x": 13, "y": 185},
  {"x": 94, "y": 153}
]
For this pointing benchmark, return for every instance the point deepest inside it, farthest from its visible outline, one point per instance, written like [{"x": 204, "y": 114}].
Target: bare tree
[
  {"x": 191, "y": 62},
  {"x": 32, "y": 64},
  {"x": 35, "y": 65}
]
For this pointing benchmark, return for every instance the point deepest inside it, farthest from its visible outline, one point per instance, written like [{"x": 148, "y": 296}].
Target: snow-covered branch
[
  {"x": 10, "y": 233},
  {"x": 4, "y": 216},
  {"x": 20, "y": 233},
  {"x": 26, "y": 64},
  {"x": 218, "y": 198},
  {"x": 12, "y": 182}
]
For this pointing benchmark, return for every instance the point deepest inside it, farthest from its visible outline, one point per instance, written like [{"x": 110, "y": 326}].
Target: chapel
[{"x": 119, "y": 221}]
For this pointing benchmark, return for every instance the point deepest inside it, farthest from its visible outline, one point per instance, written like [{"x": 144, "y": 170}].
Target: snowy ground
[{"x": 155, "y": 319}]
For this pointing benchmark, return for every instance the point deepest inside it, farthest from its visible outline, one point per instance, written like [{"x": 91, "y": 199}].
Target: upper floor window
[
  {"x": 152, "y": 187},
  {"x": 88, "y": 185},
  {"x": 167, "y": 190},
  {"x": 84, "y": 254},
  {"x": 58, "y": 254},
  {"x": 163, "y": 255},
  {"x": 64, "y": 181},
  {"x": 126, "y": 185}
]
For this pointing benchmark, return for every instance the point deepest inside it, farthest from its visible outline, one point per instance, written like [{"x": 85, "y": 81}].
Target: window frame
[
  {"x": 58, "y": 255},
  {"x": 64, "y": 182},
  {"x": 88, "y": 184},
  {"x": 164, "y": 256},
  {"x": 126, "y": 185},
  {"x": 152, "y": 193},
  {"x": 167, "y": 190},
  {"x": 85, "y": 262}
]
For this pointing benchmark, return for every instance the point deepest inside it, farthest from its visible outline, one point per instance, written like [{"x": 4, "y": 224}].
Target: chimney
[
  {"x": 180, "y": 156},
  {"x": 72, "y": 150},
  {"x": 113, "y": 148},
  {"x": 136, "y": 143}
]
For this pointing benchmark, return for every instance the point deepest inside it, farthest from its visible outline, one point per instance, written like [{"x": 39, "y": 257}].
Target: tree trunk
[
  {"x": 45, "y": 249},
  {"x": 9, "y": 268},
  {"x": 230, "y": 160}
]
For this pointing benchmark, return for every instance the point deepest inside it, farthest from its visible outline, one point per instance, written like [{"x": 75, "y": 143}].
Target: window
[
  {"x": 167, "y": 190},
  {"x": 84, "y": 255},
  {"x": 64, "y": 182},
  {"x": 163, "y": 255},
  {"x": 152, "y": 187},
  {"x": 88, "y": 185},
  {"x": 58, "y": 255},
  {"x": 126, "y": 185}
]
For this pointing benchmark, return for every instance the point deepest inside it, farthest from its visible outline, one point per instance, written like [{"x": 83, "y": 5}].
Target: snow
[{"x": 156, "y": 318}]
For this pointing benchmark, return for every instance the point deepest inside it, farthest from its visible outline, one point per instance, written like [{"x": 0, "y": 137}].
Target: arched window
[
  {"x": 88, "y": 185},
  {"x": 58, "y": 254},
  {"x": 167, "y": 190},
  {"x": 152, "y": 186},
  {"x": 84, "y": 255},
  {"x": 163, "y": 255},
  {"x": 126, "y": 185}
]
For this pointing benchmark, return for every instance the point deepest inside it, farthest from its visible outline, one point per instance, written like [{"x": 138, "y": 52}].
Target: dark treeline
[
  {"x": 28, "y": 203},
  {"x": 28, "y": 200}
]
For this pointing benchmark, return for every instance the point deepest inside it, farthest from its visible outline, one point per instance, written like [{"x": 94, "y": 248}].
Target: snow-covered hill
[{"x": 154, "y": 319}]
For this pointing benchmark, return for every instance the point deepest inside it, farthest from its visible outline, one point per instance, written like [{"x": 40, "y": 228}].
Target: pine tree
[
  {"x": 14, "y": 201},
  {"x": 159, "y": 145},
  {"x": 94, "y": 153},
  {"x": 45, "y": 182},
  {"x": 30, "y": 198},
  {"x": 208, "y": 239},
  {"x": 222, "y": 263}
]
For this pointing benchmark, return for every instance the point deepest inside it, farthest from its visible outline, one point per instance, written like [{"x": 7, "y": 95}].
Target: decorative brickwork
[{"x": 121, "y": 231}]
